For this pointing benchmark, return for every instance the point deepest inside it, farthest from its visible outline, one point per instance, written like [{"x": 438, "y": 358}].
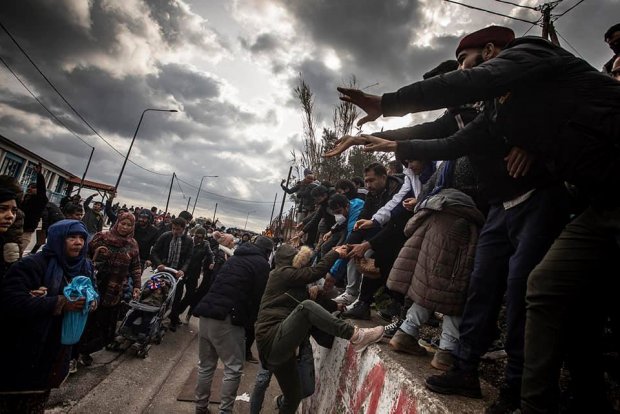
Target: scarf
[
  {"x": 174, "y": 253},
  {"x": 114, "y": 238},
  {"x": 59, "y": 265}
]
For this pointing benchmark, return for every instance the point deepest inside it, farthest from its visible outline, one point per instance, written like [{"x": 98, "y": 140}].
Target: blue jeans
[
  {"x": 511, "y": 243},
  {"x": 263, "y": 378}
]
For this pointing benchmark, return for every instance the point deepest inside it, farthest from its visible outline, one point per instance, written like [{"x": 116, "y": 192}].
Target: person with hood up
[
  {"x": 287, "y": 314},
  {"x": 32, "y": 305},
  {"x": 231, "y": 303}
]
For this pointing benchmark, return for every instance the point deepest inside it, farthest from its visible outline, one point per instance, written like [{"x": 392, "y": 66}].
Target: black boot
[
  {"x": 390, "y": 311},
  {"x": 360, "y": 310},
  {"x": 456, "y": 381}
]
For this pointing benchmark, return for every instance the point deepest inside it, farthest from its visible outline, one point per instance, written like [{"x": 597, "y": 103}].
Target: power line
[
  {"x": 568, "y": 43},
  {"x": 41, "y": 103},
  {"x": 223, "y": 196},
  {"x": 528, "y": 30},
  {"x": 179, "y": 184},
  {"x": 68, "y": 103},
  {"x": 491, "y": 12},
  {"x": 557, "y": 16},
  {"x": 516, "y": 4}
]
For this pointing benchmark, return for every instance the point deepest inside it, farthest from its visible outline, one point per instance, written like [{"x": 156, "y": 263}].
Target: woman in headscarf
[
  {"x": 116, "y": 258},
  {"x": 32, "y": 305}
]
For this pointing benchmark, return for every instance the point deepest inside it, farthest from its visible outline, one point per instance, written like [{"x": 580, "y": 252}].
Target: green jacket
[{"x": 286, "y": 288}]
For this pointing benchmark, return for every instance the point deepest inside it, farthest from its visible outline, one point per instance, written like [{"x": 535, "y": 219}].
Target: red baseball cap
[{"x": 498, "y": 35}]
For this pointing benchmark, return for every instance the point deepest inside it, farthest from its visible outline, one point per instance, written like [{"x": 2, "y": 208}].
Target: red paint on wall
[
  {"x": 371, "y": 390},
  {"x": 405, "y": 404}
]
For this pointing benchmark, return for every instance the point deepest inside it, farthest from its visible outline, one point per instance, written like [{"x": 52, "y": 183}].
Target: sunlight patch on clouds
[{"x": 331, "y": 60}]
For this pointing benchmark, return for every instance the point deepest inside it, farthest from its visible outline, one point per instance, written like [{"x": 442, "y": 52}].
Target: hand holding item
[
  {"x": 73, "y": 306},
  {"x": 313, "y": 291}
]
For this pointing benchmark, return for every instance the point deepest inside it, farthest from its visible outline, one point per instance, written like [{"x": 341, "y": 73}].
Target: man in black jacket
[
  {"x": 201, "y": 257},
  {"x": 93, "y": 217},
  {"x": 557, "y": 107},
  {"x": 146, "y": 235},
  {"x": 173, "y": 249},
  {"x": 231, "y": 303},
  {"x": 302, "y": 191},
  {"x": 51, "y": 214}
]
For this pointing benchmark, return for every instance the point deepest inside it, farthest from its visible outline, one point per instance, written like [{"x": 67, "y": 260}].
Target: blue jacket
[{"x": 355, "y": 208}]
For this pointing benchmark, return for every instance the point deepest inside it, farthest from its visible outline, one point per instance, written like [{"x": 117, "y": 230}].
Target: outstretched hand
[
  {"x": 371, "y": 104},
  {"x": 344, "y": 144},
  {"x": 376, "y": 144}
]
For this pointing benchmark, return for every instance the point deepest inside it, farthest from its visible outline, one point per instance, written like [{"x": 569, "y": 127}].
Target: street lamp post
[
  {"x": 199, "y": 188},
  {"x": 134, "y": 138},
  {"x": 247, "y": 217}
]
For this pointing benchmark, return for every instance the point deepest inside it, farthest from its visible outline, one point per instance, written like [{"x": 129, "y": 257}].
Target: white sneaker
[
  {"x": 345, "y": 299},
  {"x": 367, "y": 336}
]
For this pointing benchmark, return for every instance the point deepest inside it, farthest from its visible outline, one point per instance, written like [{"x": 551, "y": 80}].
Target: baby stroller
[{"x": 142, "y": 325}]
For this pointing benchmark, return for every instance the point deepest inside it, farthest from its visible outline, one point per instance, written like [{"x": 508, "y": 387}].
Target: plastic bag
[{"x": 73, "y": 322}]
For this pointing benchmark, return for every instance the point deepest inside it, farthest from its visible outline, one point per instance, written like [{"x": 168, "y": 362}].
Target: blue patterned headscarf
[{"x": 59, "y": 264}]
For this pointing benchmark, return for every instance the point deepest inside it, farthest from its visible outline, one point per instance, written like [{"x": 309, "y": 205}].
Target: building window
[
  {"x": 30, "y": 174},
  {"x": 11, "y": 165}
]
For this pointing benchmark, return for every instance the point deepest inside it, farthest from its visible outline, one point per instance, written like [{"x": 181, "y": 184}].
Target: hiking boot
[
  {"x": 443, "y": 360},
  {"x": 391, "y": 329},
  {"x": 73, "y": 366},
  {"x": 361, "y": 310},
  {"x": 366, "y": 336},
  {"x": 431, "y": 345},
  {"x": 508, "y": 402},
  {"x": 455, "y": 381},
  {"x": 390, "y": 312},
  {"x": 403, "y": 342},
  {"x": 345, "y": 299}
]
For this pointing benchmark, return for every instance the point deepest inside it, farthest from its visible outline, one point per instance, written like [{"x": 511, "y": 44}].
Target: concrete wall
[{"x": 378, "y": 381}]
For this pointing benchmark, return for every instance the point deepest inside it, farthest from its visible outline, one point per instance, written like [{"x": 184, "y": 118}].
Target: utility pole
[
  {"x": 169, "y": 192},
  {"x": 92, "y": 150},
  {"x": 273, "y": 209},
  {"x": 187, "y": 208},
  {"x": 288, "y": 179},
  {"x": 214, "y": 211}
]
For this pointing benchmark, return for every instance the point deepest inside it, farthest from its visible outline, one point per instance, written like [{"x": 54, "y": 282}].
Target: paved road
[{"x": 123, "y": 383}]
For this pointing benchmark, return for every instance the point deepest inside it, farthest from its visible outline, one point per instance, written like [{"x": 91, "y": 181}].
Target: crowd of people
[{"x": 505, "y": 201}]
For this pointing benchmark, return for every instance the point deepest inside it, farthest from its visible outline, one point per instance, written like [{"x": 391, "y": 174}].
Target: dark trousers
[
  {"x": 580, "y": 267},
  {"x": 511, "y": 243},
  {"x": 185, "y": 291},
  {"x": 291, "y": 333}
]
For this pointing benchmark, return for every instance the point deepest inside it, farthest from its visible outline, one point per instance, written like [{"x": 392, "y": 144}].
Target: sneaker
[
  {"x": 86, "y": 360},
  {"x": 345, "y": 299},
  {"x": 366, "y": 336},
  {"x": 277, "y": 402},
  {"x": 403, "y": 342},
  {"x": 390, "y": 312},
  {"x": 391, "y": 329},
  {"x": 443, "y": 360},
  {"x": 361, "y": 310},
  {"x": 73, "y": 366},
  {"x": 431, "y": 345},
  {"x": 508, "y": 402},
  {"x": 455, "y": 381},
  {"x": 496, "y": 351}
]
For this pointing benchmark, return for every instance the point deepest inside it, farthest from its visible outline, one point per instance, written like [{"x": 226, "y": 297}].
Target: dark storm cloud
[
  {"x": 264, "y": 43},
  {"x": 184, "y": 83}
]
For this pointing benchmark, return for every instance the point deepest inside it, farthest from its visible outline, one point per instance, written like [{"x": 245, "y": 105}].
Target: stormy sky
[{"x": 229, "y": 67}]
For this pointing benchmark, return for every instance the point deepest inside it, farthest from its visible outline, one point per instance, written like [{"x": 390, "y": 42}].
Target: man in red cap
[{"x": 559, "y": 108}]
